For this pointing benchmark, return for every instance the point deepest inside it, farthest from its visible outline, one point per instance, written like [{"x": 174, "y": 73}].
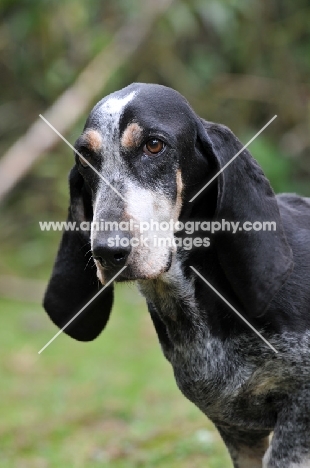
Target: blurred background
[{"x": 239, "y": 62}]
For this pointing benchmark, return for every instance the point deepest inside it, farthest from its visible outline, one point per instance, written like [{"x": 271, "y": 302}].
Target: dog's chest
[
  {"x": 222, "y": 383},
  {"x": 207, "y": 371},
  {"x": 211, "y": 373}
]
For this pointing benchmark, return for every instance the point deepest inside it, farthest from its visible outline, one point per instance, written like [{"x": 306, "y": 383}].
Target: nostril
[
  {"x": 111, "y": 255},
  {"x": 119, "y": 257}
]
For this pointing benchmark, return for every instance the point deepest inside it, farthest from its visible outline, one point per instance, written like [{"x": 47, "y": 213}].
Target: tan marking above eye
[
  {"x": 132, "y": 136},
  {"x": 93, "y": 139},
  {"x": 91, "y": 142},
  {"x": 153, "y": 146}
]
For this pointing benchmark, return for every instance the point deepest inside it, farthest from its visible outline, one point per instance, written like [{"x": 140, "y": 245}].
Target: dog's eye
[
  {"x": 153, "y": 146},
  {"x": 86, "y": 155}
]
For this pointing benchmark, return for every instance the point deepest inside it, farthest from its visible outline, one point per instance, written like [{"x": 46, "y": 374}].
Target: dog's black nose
[{"x": 112, "y": 251}]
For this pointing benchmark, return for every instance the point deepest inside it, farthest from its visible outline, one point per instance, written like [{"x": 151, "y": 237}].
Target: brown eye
[{"x": 153, "y": 146}]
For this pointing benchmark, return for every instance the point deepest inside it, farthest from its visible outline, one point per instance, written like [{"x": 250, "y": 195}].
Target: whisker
[
  {"x": 85, "y": 245},
  {"x": 90, "y": 258},
  {"x": 87, "y": 252}
]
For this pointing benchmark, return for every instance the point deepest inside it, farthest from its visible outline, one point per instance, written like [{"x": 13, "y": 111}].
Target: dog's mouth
[{"x": 131, "y": 272}]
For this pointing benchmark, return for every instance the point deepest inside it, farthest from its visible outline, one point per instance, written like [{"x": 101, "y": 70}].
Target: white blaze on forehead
[
  {"x": 110, "y": 112},
  {"x": 115, "y": 106}
]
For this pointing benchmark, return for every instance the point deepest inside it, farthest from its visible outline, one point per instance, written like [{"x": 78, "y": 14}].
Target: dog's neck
[
  {"x": 185, "y": 309},
  {"x": 173, "y": 296}
]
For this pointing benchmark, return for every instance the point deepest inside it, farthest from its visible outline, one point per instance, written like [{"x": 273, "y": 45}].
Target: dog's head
[
  {"x": 142, "y": 156},
  {"x": 141, "y": 140}
]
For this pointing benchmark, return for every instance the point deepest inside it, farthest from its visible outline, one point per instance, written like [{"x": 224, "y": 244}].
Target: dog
[{"x": 142, "y": 158}]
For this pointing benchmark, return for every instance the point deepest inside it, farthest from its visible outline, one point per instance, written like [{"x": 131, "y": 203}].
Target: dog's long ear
[
  {"x": 74, "y": 282},
  {"x": 256, "y": 263}
]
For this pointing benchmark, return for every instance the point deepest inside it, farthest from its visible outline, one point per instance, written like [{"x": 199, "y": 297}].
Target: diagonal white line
[
  {"x": 81, "y": 156},
  {"x": 81, "y": 310},
  {"x": 235, "y": 310},
  {"x": 233, "y": 158}
]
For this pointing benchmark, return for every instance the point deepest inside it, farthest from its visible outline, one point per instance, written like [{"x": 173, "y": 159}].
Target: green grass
[{"x": 109, "y": 403}]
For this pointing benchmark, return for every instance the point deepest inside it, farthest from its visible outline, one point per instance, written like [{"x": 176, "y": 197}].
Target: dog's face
[
  {"x": 142, "y": 156},
  {"x": 138, "y": 139}
]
